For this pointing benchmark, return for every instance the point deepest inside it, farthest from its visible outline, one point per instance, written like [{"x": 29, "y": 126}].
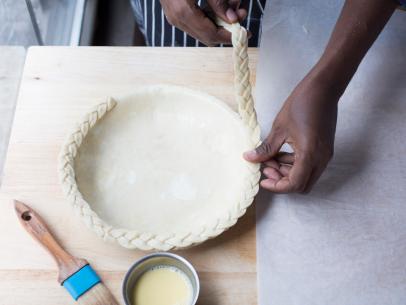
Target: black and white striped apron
[{"x": 157, "y": 31}]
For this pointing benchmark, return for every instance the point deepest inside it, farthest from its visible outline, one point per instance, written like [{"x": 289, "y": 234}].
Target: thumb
[
  {"x": 267, "y": 150},
  {"x": 223, "y": 10}
]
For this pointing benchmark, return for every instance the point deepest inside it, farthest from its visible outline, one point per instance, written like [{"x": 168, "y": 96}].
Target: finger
[
  {"x": 242, "y": 14},
  {"x": 272, "y": 163},
  {"x": 285, "y": 170},
  {"x": 300, "y": 174},
  {"x": 223, "y": 10},
  {"x": 200, "y": 27},
  {"x": 285, "y": 157},
  {"x": 281, "y": 168},
  {"x": 268, "y": 184},
  {"x": 268, "y": 149},
  {"x": 310, "y": 183},
  {"x": 314, "y": 177},
  {"x": 215, "y": 36},
  {"x": 234, "y": 4},
  {"x": 295, "y": 182},
  {"x": 272, "y": 173},
  {"x": 275, "y": 186},
  {"x": 223, "y": 36}
]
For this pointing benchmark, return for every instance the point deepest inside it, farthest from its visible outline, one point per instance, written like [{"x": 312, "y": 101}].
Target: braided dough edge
[{"x": 145, "y": 241}]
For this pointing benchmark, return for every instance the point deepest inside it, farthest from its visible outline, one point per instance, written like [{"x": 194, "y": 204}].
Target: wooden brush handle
[{"x": 34, "y": 225}]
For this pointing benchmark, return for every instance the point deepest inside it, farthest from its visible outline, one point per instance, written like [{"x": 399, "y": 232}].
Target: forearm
[{"x": 357, "y": 28}]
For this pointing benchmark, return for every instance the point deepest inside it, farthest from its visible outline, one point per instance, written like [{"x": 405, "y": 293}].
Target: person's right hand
[{"x": 189, "y": 17}]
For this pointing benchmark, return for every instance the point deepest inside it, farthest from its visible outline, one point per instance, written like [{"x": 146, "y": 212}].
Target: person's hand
[
  {"x": 307, "y": 122},
  {"x": 189, "y": 17}
]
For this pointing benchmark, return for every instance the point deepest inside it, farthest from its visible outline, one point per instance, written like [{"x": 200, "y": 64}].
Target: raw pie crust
[{"x": 162, "y": 168}]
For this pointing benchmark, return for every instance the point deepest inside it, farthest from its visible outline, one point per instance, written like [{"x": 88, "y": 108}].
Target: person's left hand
[{"x": 307, "y": 122}]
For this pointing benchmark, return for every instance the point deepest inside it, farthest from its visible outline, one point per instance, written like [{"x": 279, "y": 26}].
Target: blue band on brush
[{"x": 81, "y": 281}]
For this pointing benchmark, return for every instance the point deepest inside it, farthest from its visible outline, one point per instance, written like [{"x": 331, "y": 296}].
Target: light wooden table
[{"x": 59, "y": 85}]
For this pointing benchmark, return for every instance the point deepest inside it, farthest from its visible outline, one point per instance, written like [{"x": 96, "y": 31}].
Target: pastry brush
[{"x": 75, "y": 274}]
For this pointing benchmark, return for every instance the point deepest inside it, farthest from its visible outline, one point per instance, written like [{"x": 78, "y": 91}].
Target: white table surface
[{"x": 345, "y": 242}]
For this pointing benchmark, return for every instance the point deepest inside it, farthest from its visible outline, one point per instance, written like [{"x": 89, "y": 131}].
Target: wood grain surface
[{"x": 59, "y": 85}]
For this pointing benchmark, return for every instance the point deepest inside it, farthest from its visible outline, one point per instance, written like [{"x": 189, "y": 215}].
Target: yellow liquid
[{"x": 163, "y": 285}]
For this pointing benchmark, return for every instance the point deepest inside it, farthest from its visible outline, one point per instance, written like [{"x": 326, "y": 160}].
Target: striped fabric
[{"x": 158, "y": 32}]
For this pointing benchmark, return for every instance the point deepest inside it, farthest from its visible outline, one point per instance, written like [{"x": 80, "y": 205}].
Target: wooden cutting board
[{"x": 59, "y": 85}]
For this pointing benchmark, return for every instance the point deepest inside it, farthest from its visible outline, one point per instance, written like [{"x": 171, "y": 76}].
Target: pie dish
[{"x": 161, "y": 167}]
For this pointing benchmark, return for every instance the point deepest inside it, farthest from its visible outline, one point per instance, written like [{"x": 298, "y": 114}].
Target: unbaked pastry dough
[{"x": 161, "y": 168}]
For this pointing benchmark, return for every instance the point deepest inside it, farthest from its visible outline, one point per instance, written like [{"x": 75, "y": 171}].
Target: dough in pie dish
[
  {"x": 162, "y": 167},
  {"x": 164, "y": 160}
]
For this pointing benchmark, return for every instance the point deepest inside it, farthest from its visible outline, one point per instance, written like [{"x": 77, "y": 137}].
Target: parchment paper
[{"x": 345, "y": 242}]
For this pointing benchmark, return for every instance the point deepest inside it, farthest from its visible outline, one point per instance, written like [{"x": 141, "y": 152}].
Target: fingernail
[
  {"x": 231, "y": 15},
  {"x": 250, "y": 154}
]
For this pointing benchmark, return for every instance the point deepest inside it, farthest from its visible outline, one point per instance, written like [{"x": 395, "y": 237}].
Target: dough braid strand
[{"x": 242, "y": 84}]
